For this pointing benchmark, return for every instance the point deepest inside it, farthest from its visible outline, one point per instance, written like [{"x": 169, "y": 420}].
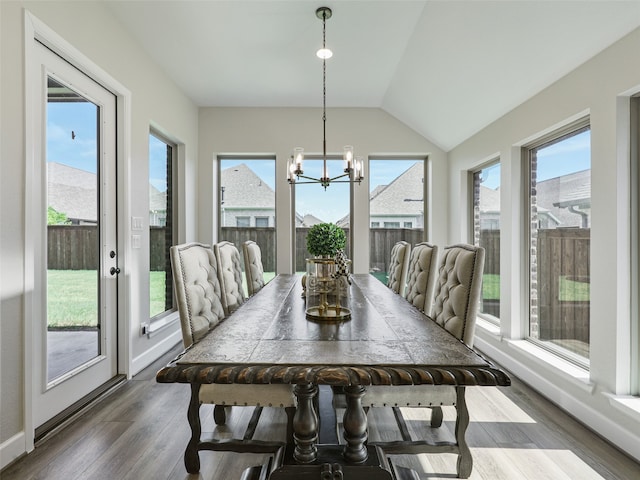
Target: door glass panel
[{"x": 73, "y": 321}]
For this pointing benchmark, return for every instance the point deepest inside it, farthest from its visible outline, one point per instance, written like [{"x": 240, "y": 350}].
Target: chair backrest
[
  {"x": 253, "y": 269},
  {"x": 421, "y": 276},
  {"x": 230, "y": 275},
  {"x": 198, "y": 293},
  {"x": 458, "y": 290},
  {"x": 398, "y": 266}
]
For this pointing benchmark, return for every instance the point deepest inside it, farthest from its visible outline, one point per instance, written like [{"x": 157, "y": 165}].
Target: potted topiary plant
[
  {"x": 327, "y": 279},
  {"x": 325, "y": 240}
]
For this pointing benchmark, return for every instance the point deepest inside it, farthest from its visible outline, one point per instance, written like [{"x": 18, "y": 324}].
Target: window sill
[
  {"x": 629, "y": 405},
  {"x": 488, "y": 327},
  {"x": 160, "y": 324},
  {"x": 576, "y": 375}
]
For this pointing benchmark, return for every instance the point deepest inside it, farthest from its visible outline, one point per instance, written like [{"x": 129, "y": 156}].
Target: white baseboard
[
  {"x": 12, "y": 449},
  {"x": 156, "y": 351}
]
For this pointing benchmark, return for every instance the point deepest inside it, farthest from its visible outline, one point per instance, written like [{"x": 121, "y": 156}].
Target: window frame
[
  {"x": 261, "y": 218},
  {"x": 572, "y": 129},
  {"x": 634, "y": 111},
  {"x": 293, "y": 187},
  {"x": 375, "y": 163},
  {"x": 494, "y": 160},
  {"x": 245, "y": 219},
  {"x": 172, "y": 207}
]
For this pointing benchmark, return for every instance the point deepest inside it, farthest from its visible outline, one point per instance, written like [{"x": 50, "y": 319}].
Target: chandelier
[{"x": 353, "y": 166}]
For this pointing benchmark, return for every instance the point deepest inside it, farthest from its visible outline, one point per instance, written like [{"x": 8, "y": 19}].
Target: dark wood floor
[{"x": 139, "y": 432}]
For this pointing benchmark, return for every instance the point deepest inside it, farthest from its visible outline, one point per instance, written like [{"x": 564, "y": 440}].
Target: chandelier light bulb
[{"x": 324, "y": 53}]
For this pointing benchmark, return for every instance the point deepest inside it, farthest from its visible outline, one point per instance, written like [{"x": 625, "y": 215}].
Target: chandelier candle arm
[{"x": 353, "y": 167}]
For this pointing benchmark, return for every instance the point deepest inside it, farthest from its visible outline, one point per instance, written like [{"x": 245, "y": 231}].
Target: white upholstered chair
[
  {"x": 198, "y": 293},
  {"x": 457, "y": 296},
  {"x": 230, "y": 275},
  {"x": 421, "y": 276},
  {"x": 398, "y": 265},
  {"x": 253, "y": 269}
]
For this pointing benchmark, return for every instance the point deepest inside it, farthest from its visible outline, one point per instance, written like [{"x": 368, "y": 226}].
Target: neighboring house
[
  {"x": 157, "y": 207},
  {"x": 563, "y": 201},
  {"x": 399, "y": 204},
  {"x": 72, "y": 191},
  {"x": 307, "y": 220},
  {"x": 246, "y": 200},
  {"x": 566, "y": 201}
]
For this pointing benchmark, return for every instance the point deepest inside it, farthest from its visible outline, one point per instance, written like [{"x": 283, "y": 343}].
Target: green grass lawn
[{"x": 72, "y": 298}]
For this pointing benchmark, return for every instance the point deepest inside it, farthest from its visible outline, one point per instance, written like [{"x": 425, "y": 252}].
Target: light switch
[
  {"x": 136, "y": 223},
  {"x": 135, "y": 241}
]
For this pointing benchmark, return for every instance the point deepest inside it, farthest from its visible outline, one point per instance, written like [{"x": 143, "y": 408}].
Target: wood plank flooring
[{"x": 140, "y": 430}]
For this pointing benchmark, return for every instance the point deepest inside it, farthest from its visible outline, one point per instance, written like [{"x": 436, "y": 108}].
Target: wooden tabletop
[{"x": 386, "y": 342}]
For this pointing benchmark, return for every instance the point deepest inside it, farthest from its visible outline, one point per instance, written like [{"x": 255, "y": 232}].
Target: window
[
  {"x": 486, "y": 234},
  {"x": 396, "y": 198},
  {"x": 243, "y": 222},
  {"x": 314, "y": 204},
  {"x": 161, "y": 224},
  {"x": 559, "y": 242},
  {"x": 262, "y": 221},
  {"x": 246, "y": 193}
]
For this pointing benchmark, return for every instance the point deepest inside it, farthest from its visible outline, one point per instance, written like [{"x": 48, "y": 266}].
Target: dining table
[{"x": 386, "y": 341}]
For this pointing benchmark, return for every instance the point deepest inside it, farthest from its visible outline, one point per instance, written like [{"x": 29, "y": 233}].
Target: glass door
[{"x": 78, "y": 276}]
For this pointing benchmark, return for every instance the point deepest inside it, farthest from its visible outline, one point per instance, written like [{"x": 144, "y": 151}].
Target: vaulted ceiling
[{"x": 444, "y": 68}]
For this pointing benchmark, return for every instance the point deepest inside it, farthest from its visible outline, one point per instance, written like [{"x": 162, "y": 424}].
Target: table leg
[
  {"x": 305, "y": 424},
  {"x": 355, "y": 425},
  {"x": 465, "y": 460},
  {"x": 191, "y": 457}
]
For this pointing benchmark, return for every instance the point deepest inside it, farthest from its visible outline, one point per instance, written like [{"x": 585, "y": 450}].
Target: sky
[
  {"x": 329, "y": 205},
  {"x": 79, "y": 118},
  {"x": 570, "y": 155}
]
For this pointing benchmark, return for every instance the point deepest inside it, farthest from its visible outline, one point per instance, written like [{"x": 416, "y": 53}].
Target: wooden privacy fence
[
  {"x": 75, "y": 247},
  {"x": 72, "y": 247},
  {"x": 563, "y": 278},
  {"x": 382, "y": 240}
]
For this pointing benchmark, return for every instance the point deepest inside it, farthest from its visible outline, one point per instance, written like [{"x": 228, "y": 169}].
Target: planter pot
[{"x": 327, "y": 292}]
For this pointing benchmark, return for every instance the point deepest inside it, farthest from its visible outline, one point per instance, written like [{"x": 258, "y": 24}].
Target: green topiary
[{"x": 325, "y": 239}]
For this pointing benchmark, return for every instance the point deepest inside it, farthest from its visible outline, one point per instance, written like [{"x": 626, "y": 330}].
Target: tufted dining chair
[
  {"x": 398, "y": 266},
  {"x": 457, "y": 295},
  {"x": 253, "y": 269},
  {"x": 198, "y": 294},
  {"x": 230, "y": 275},
  {"x": 421, "y": 276}
]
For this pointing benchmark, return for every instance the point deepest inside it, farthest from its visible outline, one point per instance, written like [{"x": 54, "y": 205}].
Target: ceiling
[{"x": 444, "y": 68}]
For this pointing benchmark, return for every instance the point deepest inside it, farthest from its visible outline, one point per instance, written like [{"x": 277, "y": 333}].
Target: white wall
[
  {"x": 599, "y": 88},
  {"x": 154, "y": 100},
  {"x": 276, "y": 131}
]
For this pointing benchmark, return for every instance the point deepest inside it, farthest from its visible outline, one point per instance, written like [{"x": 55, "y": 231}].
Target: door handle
[{"x": 114, "y": 271}]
